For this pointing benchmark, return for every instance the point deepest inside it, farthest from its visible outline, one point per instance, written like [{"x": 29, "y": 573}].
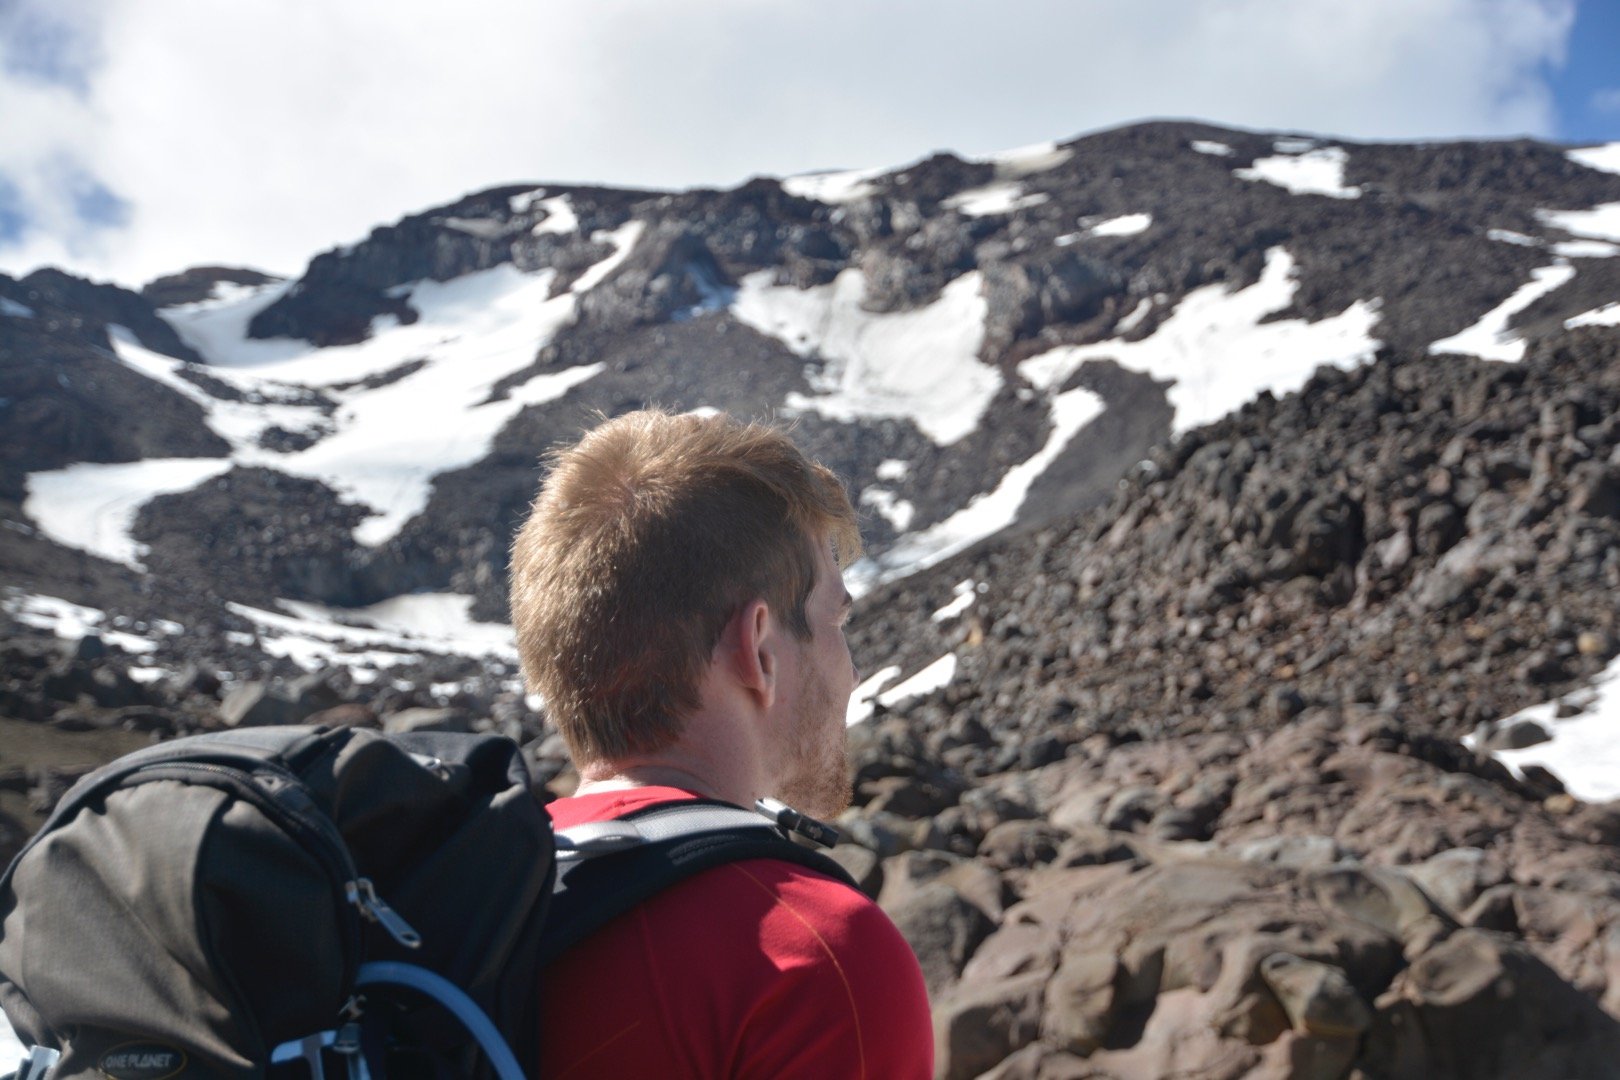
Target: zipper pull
[{"x": 363, "y": 894}]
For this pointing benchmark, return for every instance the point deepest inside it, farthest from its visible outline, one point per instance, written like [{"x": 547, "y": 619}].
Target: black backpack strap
[{"x": 604, "y": 869}]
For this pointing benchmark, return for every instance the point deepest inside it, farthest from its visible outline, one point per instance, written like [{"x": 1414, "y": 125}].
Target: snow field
[
  {"x": 1311, "y": 172},
  {"x": 921, "y": 365},
  {"x": 380, "y": 636},
  {"x": 1215, "y": 149},
  {"x": 1218, "y": 351},
  {"x": 387, "y": 444},
  {"x": 1490, "y": 338}
]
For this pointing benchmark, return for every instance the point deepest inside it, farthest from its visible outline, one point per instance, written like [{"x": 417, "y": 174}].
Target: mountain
[{"x": 1244, "y": 530}]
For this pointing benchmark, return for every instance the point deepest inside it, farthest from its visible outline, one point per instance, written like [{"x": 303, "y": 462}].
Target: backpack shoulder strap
[{"x": 604, "y": 869}]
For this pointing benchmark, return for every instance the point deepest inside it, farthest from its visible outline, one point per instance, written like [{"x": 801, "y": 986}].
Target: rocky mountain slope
[
  {"x": 1198, "y": 769},
  {"x": 1219, "y": 487},
  {"x": 974, "y": 344}
]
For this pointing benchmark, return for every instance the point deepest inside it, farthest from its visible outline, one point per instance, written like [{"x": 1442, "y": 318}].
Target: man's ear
[{"x": 753, "y": 658}]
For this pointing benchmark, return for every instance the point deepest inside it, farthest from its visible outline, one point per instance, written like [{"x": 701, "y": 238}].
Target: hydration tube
[{"x": 452, "y": 997}]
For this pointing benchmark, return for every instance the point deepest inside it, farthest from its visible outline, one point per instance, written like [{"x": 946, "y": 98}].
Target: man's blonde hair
[{"x": 647, "y": 536}]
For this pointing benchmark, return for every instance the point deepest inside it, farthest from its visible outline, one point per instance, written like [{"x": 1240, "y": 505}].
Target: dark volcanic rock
[
  {"x": 271, "y": 536},
  {"x": 198, "y": 283},
  {"x": 64, "y": 396}
]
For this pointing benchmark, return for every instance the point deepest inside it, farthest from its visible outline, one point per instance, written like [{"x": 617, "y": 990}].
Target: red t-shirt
[{"x": 756, "y": 969}]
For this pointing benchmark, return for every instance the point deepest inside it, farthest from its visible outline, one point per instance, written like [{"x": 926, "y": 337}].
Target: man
[{"x": 679, "y": 604}]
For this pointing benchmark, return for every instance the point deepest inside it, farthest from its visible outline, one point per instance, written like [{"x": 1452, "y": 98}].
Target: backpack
[{"x": 281, "y": 901}]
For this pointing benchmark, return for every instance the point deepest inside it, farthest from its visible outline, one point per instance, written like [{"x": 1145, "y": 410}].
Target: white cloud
[{"x": 262, "y": 131}]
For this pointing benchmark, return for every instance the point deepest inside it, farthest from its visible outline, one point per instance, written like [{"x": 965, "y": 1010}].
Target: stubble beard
[{"x": 819, "y": 781}]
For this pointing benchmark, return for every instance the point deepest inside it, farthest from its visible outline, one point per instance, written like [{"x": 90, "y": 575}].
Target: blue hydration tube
[{"x": 452, "y": 997}]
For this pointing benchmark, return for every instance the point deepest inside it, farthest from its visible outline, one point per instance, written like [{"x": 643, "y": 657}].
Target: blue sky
[
  {"x": 138, "y": 137},
  {"x": 1587, "y": 86}
]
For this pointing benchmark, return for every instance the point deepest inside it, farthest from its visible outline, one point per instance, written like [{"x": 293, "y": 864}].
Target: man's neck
[{"x": 606, "y": 778}]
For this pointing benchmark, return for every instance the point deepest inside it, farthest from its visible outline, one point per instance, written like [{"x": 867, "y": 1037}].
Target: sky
[{"x": 140, "y": 137}]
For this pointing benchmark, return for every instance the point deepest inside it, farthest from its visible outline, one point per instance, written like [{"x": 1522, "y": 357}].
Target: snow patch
[
  {"x": 834, "y": 187},
  {"x": 1134, "y": 319},
  {"x": 1028, "y": 160},
  {"x": 1607, "y": 315},
  {"x": 1206, "y": 146},
  {"x": 933, "y": 677},
  {"x": 15, "y": 310},
  {"x": 65, "y": 619},
  {"x": 560, "y": 218},
  {"x": 1585, "y": 749},
  {"x": 522, "y": 204},
  {"x": 1218, "y": 351},
  {"x": 1002, "y": 198},
  {"x": 1602, "y": 158},
  {"x": 893, "y": 469},
  {"x": 1508, "y": 236},
  {"x": 1599, "y": 223},
  {"x": 386, "y": 634},
  {"x": 962, "y": 599},
  {"x": 1127, "y": 225},
  {"x": 623, "y": 240},
  {"x": 922, "y": 365},
  {"x": 860, "y": 702},
  {"x": 69, "y": 621},
  {"x": 1314, "y": 172},
  {"x": 1490, "y": 338},
  {"x": 92, "y": 507},
  {"x": 1586, "y": 249},
  {"x": 985, "y": 514},
  {"x": 896, "y": 510}
]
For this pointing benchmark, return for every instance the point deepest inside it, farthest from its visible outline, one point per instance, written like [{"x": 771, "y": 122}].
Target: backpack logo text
[{"x": 142, "y": 1061}]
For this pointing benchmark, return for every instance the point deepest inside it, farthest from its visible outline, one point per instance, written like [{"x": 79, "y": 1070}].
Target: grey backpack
[{"x": 287, "y": 901}]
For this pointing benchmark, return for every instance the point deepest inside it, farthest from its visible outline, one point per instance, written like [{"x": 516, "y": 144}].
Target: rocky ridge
[{"x": 1095, "y": 240}]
